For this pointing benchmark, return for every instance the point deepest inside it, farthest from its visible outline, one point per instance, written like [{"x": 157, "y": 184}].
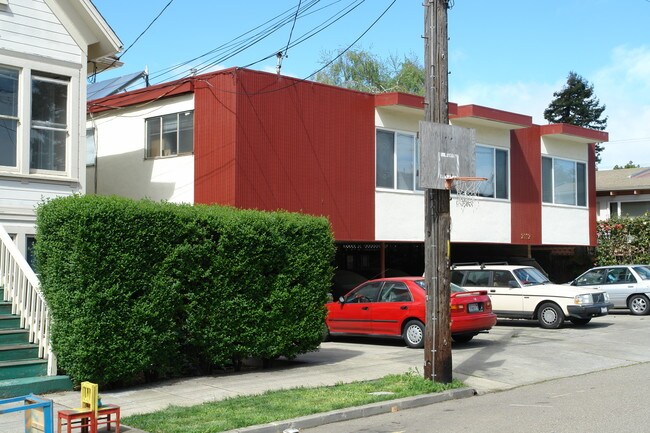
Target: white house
[
  {"x": 48, "y": 48},
  {"x": 623, "y": 192}
]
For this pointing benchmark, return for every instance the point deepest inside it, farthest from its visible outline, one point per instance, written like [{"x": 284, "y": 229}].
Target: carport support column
[{"x": 437, "y": 220}]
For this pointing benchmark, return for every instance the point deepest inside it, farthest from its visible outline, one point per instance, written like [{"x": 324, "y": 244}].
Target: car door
[
  {"x": 619, "y": 283},
  {"x": 505, "y": 294},
  {"x": 354, "y": 314},
  {"x": 395, "y": 304}
]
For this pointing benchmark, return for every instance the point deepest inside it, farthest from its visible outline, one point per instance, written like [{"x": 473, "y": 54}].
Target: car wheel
[
  {"x": 550, "y": 316},
  {"x": 462, "y": 338},
  {"x": 414, "y": 334},
  {"x": 579, "y": 321},
  {"x": 638, "y": 305}
]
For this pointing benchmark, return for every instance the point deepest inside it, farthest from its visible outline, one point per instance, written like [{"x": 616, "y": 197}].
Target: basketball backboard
[{"x": 446, "y": 151}]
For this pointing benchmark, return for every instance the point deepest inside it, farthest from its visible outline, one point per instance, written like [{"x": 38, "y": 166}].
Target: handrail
[{"x": 22, "y": 289}]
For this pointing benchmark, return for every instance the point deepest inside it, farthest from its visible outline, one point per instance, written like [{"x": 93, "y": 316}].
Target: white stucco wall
[
  {"x": 121, "y": 167},
  {"x": 487, "y": 221},
  {"x": 564, "y": 225},
  {"x": 603, "y": 204},
  {"x": 561, "y": 224}
]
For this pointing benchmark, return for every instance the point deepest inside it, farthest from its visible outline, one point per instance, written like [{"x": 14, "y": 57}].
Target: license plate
[
  {"x": 474, "y": 308},
  {"x": 603, "y": 310}
]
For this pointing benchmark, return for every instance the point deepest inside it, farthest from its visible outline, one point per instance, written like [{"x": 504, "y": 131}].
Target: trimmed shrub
[
  {"x": 138, "y": 288},
  {"x": 623, "y": 241}
]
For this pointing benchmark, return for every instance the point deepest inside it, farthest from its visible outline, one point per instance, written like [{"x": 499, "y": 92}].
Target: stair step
[
  {"x": 35, "y": 385},
  {"x": 5, "y": 307},
  {"x": 22, "y": 368},
  {"x": 12, "y": 352},
  {"x": 9, "y": 322},
  {"x": 13, "y": 336}
]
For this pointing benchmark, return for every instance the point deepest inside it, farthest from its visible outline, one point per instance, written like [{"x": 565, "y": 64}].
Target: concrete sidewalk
[{"x": 514, "y": 353}]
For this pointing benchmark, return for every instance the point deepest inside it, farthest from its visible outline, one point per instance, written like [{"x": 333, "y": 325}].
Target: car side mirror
[{"x": 341, "y": 300}]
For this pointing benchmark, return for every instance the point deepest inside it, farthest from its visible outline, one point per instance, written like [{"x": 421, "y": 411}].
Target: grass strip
[{"x": 244, "y": 411}]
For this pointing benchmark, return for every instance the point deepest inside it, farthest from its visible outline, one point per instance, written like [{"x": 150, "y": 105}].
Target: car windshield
[
  {"x": 530, "y": 276},
  {"x": 643, "y": 271}
]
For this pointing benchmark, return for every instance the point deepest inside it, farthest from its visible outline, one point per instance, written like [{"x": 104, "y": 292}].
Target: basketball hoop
[{"x": 465, "y": 189}]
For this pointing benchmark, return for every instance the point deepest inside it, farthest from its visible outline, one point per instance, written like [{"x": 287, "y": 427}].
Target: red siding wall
[
  {"x": 526, "y": 184},
  {"x": 215, "y": 113},
  {"x": 272, "y": 142}
]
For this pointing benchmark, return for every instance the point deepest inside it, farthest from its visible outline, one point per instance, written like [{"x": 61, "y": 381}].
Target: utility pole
[{"x": 437, "y": 345}]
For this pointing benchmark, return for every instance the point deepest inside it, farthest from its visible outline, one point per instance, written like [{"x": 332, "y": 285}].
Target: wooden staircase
[{"x": 21, "y": 370}]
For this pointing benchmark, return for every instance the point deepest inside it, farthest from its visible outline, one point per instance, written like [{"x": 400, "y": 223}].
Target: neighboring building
[
  {"x": 623, "y": 192},
  {"x": 258, "y": 140},
  {"x": 47, "y": 49}
]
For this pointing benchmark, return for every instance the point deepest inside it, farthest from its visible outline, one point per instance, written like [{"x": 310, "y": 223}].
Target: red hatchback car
[{"x": 395, "y": 307}]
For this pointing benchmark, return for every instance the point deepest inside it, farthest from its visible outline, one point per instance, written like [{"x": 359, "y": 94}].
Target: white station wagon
[
  {"x": 628, "y": 286},
  {"x": 523, "y": 292}
]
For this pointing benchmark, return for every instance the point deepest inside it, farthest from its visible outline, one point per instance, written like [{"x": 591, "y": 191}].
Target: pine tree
[{"x": 576, "y": 104}]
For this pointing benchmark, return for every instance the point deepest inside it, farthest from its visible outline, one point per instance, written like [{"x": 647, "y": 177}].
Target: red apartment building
[{"x": 258, "y": 140}]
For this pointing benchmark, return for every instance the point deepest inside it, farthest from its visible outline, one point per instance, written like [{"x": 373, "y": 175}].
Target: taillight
[{"x": 457, "y": 307}]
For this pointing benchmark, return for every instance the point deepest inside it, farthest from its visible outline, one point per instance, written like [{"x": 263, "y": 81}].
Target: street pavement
[{"x": 513, "y": 354}]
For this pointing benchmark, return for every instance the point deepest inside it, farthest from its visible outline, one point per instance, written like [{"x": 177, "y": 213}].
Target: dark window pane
[
  {"x": 47, "y": 149},
  {"x": 8, "y": 142},
  {"x": 405, "y": 164},
  {"x": 186, "y": 132},
  {"x": 153, "y": 137},
  {"x": 547, "y": 180},
  {"x": 385, "y": 161},
  {"x": 581, "y": 184},
  {"x": 564, "y": 182},
  {"x": 49, "y": 103},
  {"x": 170, "y": 134},
  {"x": 501, "y": 166},
  {"x": 8, "y": 92}
]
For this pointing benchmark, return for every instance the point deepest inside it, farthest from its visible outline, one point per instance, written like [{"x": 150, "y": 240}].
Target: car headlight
[
  {"x": 583, "y": 299},
  {"x": 606, "y": 296}
]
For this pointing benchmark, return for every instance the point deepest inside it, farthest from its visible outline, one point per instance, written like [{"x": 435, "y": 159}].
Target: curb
[{"x": 357, "y": 412}]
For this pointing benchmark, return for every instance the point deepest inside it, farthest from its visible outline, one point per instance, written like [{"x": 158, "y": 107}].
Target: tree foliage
[
  {"x": 361, "y": 70},
  {"x": 628, "y": 165},
  {"x": 576, "y": 104},
  {"x": 623, "y": 240}
]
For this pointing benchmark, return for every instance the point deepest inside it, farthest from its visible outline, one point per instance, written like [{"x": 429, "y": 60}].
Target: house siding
[
  {"x": 30, "y": 27},
  {"x": 526, "y": 187},
  {"x": 272, "y": 142}
]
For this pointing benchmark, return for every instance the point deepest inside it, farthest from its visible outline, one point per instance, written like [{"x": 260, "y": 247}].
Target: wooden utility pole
[{"x": 437, "y": 345}]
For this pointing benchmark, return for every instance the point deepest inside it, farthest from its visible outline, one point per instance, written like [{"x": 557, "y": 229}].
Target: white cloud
[{"x": 623, "y": 85}]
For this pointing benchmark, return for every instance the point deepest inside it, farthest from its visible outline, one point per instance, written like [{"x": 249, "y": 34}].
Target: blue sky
[{"x": 509, "y": 54}]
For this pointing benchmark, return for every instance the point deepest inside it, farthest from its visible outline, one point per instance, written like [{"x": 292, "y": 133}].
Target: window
[
  {"x": 49, "y": 126},
  {"x": 366, "y": 293},
  {"x": 91, "y": 152},
  {"x": 564, "y": 182},
  {"x": 397, "y": 161},
  {"x": 492, "y": 164},
  {"x": 30, "y": 256},
  {"x": 634, "y": 208},
  {"x": 171, "y": 134},
  {"x": 8, "y": 116}
]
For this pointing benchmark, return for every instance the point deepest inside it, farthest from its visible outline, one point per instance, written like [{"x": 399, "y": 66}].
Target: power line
[{"x": 145, "y": 30}]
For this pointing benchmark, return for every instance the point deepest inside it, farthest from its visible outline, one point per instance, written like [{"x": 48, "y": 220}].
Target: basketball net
[{"x": 465, "y": 189}]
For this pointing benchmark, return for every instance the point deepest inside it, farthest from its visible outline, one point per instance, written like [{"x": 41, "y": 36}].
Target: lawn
[{"x": 238, "y": 412}]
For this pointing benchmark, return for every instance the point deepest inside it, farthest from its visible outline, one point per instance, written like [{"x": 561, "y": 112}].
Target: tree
[
  {"x": 576, "y": 104},
  {"x": 628, "y": 165},
  {"x": 361, "y": 70}
]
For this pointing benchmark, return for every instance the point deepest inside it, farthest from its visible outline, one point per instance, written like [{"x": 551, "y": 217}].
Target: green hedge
[
  {"x": 139, "y": 288},
  {"x": 623, "y": 240}
]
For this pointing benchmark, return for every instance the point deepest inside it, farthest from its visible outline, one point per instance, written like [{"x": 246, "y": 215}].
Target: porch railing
[{"x": 22, "y": 288}]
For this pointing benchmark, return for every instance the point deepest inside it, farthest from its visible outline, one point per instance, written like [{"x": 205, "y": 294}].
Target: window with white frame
[
  {"x": 564, "y": 182},
  {"x": 397, "y": 161},
  {"x": 171, "y": 134},
  {"x": 8, "y": 116},
  {"x": 492, "y": 164},
  {"x": 49, "y": 123}
]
